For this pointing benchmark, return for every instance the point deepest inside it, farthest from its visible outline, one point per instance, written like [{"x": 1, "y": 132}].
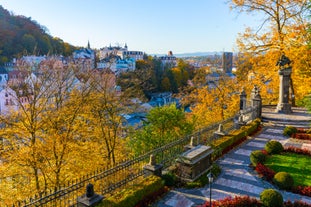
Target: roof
[{"x": 3, "y": 70}]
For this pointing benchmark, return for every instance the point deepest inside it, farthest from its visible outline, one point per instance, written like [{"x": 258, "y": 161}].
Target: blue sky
[{"x": 151, "y": 26}]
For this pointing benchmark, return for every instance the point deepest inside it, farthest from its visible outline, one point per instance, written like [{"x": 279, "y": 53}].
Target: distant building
[
  {"x": 85, "y": 57},
  {"x": 122, "y": 52},
  {"x": 227, "y": 62},
  {"x": 84, "y": 53},
  {"x": 168, "y": 59},
  {"x": 8, "y": 101},
  {"x": 32, "y": 62},
  {"x": 4, "y": 77},
  {"x": 118, "y": 59}
]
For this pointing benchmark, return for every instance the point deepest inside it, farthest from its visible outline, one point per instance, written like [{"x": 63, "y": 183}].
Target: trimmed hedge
[
  {"x": 271, "y": 198},
  {"x": 274, "y": 147},
  {"x": 289, "y": 131},
  {"x": 283, "y": 180},
  {"x": 256, "y": 157},
  {"x": 131, "y": 196},
  {"x": 227, "y": 142}
]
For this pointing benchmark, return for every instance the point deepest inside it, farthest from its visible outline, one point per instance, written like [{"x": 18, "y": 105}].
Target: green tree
[
  {"x": 163, "y": 125},
  {"x": 29, "y": 43}
]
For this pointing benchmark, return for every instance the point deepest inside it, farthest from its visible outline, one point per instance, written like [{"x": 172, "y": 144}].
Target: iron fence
[{"x": 129, "y": 172}]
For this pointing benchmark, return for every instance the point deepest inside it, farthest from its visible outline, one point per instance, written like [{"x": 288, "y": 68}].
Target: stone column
[{"x": 284, "y": 106}]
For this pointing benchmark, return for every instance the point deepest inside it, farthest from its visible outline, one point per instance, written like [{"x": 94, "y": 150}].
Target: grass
[{"x": 299, "y": 166}]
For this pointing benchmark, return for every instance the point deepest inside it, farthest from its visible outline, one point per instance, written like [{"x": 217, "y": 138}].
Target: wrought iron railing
[{"x": 128, "y": 172}]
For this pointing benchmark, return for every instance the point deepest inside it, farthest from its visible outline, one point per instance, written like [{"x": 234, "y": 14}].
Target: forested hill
[{"x": 19, "y": 35}]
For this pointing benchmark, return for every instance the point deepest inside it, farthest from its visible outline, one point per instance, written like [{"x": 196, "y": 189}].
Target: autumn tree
[
  {"x": 214, "y": 102},
  {"x": 104, "y": 115},
  {"x": 42, "y": 137},
  {"x": 267, "y": 43}
]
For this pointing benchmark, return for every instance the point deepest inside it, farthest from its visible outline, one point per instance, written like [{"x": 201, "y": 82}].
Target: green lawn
[{"x": 299, "y": 166}]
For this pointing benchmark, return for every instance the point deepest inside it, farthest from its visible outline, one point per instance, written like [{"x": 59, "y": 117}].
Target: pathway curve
[{"x": 237, "y": 178}]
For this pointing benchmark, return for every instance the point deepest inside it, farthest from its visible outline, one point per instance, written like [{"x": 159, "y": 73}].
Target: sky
[{"x": 151, "y": 26}]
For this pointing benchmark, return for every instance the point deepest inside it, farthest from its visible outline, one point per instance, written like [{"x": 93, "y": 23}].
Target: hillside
[{"x": 20, "y": 35}]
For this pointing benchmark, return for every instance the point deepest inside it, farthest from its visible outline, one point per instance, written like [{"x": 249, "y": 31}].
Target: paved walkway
[{"x": 237, "y": 178}]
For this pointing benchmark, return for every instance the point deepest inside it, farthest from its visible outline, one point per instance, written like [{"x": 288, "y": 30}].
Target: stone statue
[{"x": 283, "y": 61}]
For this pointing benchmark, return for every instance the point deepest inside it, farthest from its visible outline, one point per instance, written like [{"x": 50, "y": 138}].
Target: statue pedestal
[{"x": 284, "y": 106}]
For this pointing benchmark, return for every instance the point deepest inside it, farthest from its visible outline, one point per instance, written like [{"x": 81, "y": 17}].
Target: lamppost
[{"x": 210, "y": 180}]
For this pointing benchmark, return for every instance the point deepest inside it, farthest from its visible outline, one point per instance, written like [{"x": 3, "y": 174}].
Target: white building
[
  {"x": 118, "y": 66},
  {"x": 169, "y": 59},
  {"x": 122, "y": 52},
  {"x": 8, "y": 101},
  {"x": 4, "y": 76},
  {"x": 118, "y": 59}
]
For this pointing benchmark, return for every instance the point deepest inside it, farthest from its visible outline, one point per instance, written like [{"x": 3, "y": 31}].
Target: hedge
[
  {"x": 131, "y": 196},
  {"x": 271, "y": 198},
  {"x": 228, "y": 141}
]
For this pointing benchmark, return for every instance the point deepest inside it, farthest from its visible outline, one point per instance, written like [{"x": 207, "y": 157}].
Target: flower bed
[
  {"x": 268, "y": 173},
  {"x": 242, "y": 201}
]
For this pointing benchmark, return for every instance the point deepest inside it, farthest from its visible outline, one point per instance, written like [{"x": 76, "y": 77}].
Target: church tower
[{"x": 88, "y": 45}]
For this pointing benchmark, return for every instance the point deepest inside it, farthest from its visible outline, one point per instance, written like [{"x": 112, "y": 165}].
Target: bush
[
  {"x": 266, "y": 172},
  {"x": 216, "y": 170},
  {"x": 169, "y": 179},
  {"x": 298, "y": 150},
  {"x": 303, "y": 190},
  {"x": 238, "y": 201},
  {"x": 271, "y": 198},
  {"x": 274, "y": 147},
  {"x": 133, "y": 195},
  {"x": 283, "y": 180},
  {"x": 296, "y": 204},
  {"x": 302, "y": 136},
  {"x": 289, "y": 131},
  {"x": 256, "y": 157},
  {"x": 226, "y": 143}
]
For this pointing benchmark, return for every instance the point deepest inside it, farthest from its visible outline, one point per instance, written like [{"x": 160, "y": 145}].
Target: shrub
[
  {"x": 303, "y": 190},
  {"x": 266, "y": 172},
  {"x": 226, "y": 143},
  {"x": 169, "y": 179},
  {"x": 216, "y": 170},
  {"x": 302, "y": 136},
  {"x": 274, "y": 147},
  {"x": 283, "y": 180},
  {"x": 238, "y": 201},
  {"x": 133, "y": 195},
  {"x": 298, "y": 150},
  {"x": 271, "y": 198},
  {"x": 296, "y": 204},
  {"x": 289, "y": 131},
  {"x": 256, "y": 157}
]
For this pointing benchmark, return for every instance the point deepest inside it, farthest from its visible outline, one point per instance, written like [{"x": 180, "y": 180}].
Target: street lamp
[{"x": 210, "y": 180}]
